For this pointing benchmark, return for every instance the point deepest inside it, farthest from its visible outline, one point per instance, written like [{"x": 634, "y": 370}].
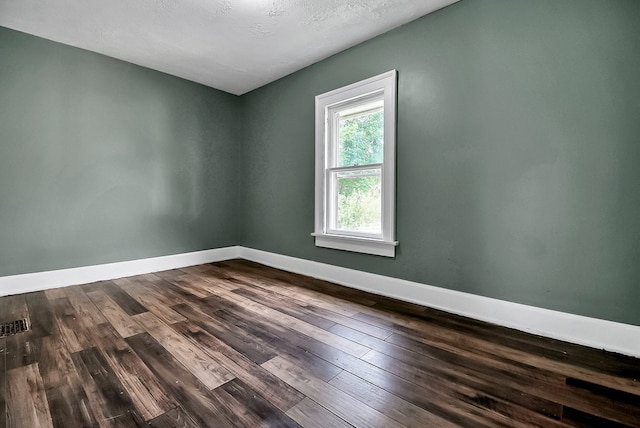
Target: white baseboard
[
  {"x": 592, "y": 332},
  {"x": 25, "y": 283},
  {"x": 596, "y": 333}
]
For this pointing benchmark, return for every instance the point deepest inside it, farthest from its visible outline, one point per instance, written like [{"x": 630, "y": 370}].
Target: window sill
[{"x": 359, "y": 245}]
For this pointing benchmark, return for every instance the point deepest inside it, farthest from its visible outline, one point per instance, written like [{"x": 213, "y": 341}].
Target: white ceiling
[{"x": 232, "y": 45}]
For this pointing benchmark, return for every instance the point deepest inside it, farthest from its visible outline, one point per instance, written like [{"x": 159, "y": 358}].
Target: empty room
[{"x": 320, "y": 213}]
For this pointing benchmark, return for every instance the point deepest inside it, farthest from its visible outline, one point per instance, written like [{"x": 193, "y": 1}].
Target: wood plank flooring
[{"x": 237, "y": 344}]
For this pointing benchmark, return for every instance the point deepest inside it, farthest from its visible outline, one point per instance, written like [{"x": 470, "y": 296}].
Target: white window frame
[{"x": 383, "y": 244}]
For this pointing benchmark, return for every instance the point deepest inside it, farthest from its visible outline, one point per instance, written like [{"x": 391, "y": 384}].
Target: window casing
[{"x": 355, "y": 167}]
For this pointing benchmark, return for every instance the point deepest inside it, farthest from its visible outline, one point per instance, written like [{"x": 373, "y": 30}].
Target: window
[{"x": 355, "y": 167}]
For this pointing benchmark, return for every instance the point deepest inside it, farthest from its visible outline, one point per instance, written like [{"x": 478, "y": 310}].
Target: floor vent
[{"x": 13, "y": 327}]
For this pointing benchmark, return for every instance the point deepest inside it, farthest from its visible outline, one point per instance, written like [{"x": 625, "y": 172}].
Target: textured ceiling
[{"x": 232, "y": 45}]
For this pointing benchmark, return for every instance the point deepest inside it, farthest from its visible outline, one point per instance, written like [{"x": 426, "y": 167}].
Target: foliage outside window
[{"x": 355, "y": 167}]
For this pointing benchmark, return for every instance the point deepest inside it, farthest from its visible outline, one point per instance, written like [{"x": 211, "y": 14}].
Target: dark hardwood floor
[{"x": 240, "y": 344}]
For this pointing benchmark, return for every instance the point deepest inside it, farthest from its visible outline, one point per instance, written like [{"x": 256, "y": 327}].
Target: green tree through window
[
  {"x": 361, "y": 142},
  {"x": 361, "y": 139}
]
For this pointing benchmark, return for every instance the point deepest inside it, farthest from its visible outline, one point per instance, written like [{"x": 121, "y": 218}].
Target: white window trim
[{"x": 386, "y": 244}]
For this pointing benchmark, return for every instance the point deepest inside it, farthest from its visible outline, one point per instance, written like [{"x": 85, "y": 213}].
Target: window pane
[
  {"x": 359, "y": 201},
  {"x": 361, "y": 135}
]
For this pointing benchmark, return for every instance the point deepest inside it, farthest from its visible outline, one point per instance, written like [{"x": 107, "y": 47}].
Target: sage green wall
[
  {"x": 518, "y": 153},
  {"x": 104, "y": 161},
  {"x": 518, "y": 146}
]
